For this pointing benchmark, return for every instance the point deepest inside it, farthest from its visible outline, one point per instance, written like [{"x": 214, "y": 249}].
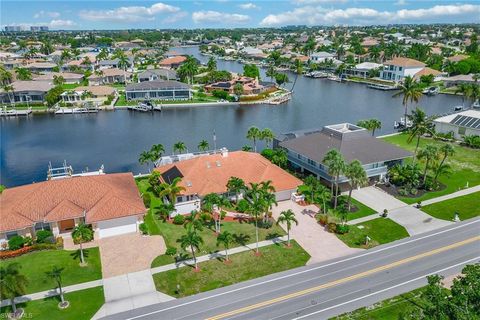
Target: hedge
[{"x": 7, "y": 254}]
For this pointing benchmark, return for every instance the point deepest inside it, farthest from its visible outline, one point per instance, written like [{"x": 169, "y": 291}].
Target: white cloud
[
  {"x": 43, "y": 14},
  {"x": 307, "y": 2},
  {"x": 129, "y": 14},
  {"x": 59, "y": 24},
  {"x": 248, "y": 6},
  {"x": 175, "y": 17},
  {"x": 401, "y": 3},
  {"x": 218, "y": 17},
  {"x": 317, "y": 15}
]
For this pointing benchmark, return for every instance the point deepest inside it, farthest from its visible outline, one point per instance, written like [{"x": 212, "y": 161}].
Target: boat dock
[
  {"x": 75, "y": 110},
  {"x": 145, "y": 106},
  {"x": 5, "y": 112},
  {"x": 383, "y": 87}
]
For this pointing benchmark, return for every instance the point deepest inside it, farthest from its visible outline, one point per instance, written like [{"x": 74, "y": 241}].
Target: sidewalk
[{"x": 451, "y": 195}]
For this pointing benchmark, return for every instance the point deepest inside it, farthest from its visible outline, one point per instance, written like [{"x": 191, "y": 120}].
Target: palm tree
[
  {"x": 171, "y": 190},
  {"x": 287, "y": 217},
  {"x": 313, "y": 183},
  {"x": 464, "y": 89},
  {"x": 180, "y": 147},
  {"x": 445, "y": 150},
  {"x": 102, "y": 55},
  {"x": 421, "y": 124},
  {"x": 56, "y": 275},
  {"x": 23, "y": 74},
  {"x": 66, "y": 55},
  {"x": 256, "y": 207},
  {"x": 203, "y": 145},
  {"x": 5, "y": 76},
  {"x": 226, "y": 239},
  {"x": 123, "y": 63},
  {"x": 193, "y": 222},
  {"x": 212, "y": 64},
  {"x": 336, "y": 166},
  {"x": 156, "y": 151},
  {"x": 429, "y": 153},
  {"x": 247, "y": 148},
  {"x": 267, "y": 135},
  {"x": 192, "y": 240},
  {"x": 357, "y": 177},
  {"x": 236, "y": 185},
  {"x": 410, "y": 91},
  {"x": 12, "y": 283},
  {"x": 254, "y": 134},
  {"x": 144, "y": 158},
  {"x": 58, "y": 80},
  {"x": 325, "y": 195},
  {"x": 370, "y": 125},
  {"x": 8, "y": 88},
  {"x": 80, "y": 234}
]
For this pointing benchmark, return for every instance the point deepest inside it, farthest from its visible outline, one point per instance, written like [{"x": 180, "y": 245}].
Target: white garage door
[{"x": 116, "y": 227}]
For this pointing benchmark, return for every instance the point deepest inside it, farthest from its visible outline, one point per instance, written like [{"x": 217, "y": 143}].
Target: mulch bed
[{"x": 393, "y": 190}]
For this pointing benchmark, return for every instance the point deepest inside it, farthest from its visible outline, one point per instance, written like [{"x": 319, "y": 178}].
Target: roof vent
[
  {"x": 218, "y": 163},
  {"x": 208, "y": 165},
  {"x": 189, "y": 183}
]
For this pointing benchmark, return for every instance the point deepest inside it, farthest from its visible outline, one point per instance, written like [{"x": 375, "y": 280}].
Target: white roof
[
  {"x": 368, "y": 65},
  {"x": 467, "y": 113},
  {"x": 322, "y": 54}
]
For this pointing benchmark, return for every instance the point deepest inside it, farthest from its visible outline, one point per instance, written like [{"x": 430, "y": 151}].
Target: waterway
[{"x": 115, "y": 139}]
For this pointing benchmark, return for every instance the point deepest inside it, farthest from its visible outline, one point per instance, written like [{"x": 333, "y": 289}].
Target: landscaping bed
[
  {"x": 244, "y": 266},
  {"x": 467, "y": 207}
]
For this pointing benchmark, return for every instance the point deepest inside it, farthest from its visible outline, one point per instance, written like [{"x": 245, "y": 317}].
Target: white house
[
  {"x": 464, "y": 123},
  {"x": 319, "y": 57},
  {"x": 399, "y": 68},
  {"x": 363, "y": 69}
]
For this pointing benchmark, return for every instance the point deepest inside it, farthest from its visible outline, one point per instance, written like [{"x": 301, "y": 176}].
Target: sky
[{"x": 118, "y": 14}]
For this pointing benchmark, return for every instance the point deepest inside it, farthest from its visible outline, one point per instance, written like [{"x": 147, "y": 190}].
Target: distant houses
[{"x": 157, "y": 74}]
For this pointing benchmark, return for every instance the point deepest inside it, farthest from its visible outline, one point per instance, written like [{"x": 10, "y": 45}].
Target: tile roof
[
  {"x": 157, "y": 85},
  {"x": 101, "y": 197},
  {"x": 207, "y": 174},
  {"x": 404, "y": 62},
  {"x": 173, "y": 60},
  {"x": 42, "y": 86}
]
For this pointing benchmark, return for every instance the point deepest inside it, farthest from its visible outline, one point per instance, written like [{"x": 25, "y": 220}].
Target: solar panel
[
  {"x": 466, "y": 121},
  {"x": 476, "y": 124}
]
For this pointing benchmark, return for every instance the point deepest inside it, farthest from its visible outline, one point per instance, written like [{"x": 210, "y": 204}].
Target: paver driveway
[
  {"x": 320, "y": 244},
  {"x": 129, "y": 253}
]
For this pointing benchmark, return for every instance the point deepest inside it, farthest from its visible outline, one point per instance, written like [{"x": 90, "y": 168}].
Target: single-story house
[
  {"x": 41, "y": 66},
  {"x": 113, "y": 63},
  {"x": 173, "y": 62},
  {"x": 306, "y": 150},
  {"x": 109, "y": 76},
  {"x": 77, "y": 64},
  {"x": 206, "y": 174},
  {"x": 458, "y": 79},
  {"x": 26, "y": 91},
  {"x": 463, "y": 123},
  {"x": 319, "y": 57},
  {"x": 250, "y": 85},
  {"x": 157, "y": 74},
  {"x": 111, "y": 203},
  {"x": 68, "y": 76},
  {"x": 158, "y": 90},
  {"x": 90, "y": 93},
  {"x": 363, "y": 69}
]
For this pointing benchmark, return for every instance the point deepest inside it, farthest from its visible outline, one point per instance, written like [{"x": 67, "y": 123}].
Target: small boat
[
  {"x": 145, "y": 106},
  {"x": 458, "y": 108},
  {"x": 335, "y": 78},
  {"x": 476, "y": 104},
  {"x": 76, "y": 110},
  {"x": 401, "y": 124},
  {"x": 431, "y": 91}
]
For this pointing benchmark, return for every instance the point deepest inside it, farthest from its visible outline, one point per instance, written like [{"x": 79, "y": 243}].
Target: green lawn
[
  {"x": 70, "y": 86},
  {"x": 467, "y": 207},
  {"x": 465, "y": 166},
  {"x": 34, "y": 266},
  {"x": 390, "y": 309},
  {"x": 244, "y": 266},
  {"x": 83, "y": 305},
  {"x": 380, "y": 230},
  {"x": 362, "y": 211}
]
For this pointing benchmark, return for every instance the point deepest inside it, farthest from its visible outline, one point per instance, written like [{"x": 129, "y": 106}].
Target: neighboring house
[
  {"x": 399, "y": 68},
  {"x": 41, "y": 67},
  {"x": 429, "y": 71},
  {"x": 77, "y": 64},
  {"x": 90, "y": 93},
  {"x": 26, "y": 91},
  {"x": 158, "y": 90},
  {"x": 157, "y": 74},
  {"x": 111, "y": 203},
  {"x": 464, "y": 123},
  {"x": 68, "y": 76},
  {"x": 206, "y": 174},
  {"x": 114, "y": 63},
  {"x": 306, "y": 150},
  {"x": 362, "y": 70},
  {"x": 319, "y": 57},
  {"x": 250, "y": 86},
  {"x": 458, "y": 79},
  {"x": 109, "y": 76},
  {"x": 173, "y": 62}
]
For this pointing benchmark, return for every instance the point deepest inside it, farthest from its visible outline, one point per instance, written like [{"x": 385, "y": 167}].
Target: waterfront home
[
  {"x": 429, "y": 71},
  {"x": 457, "y": 58},
  {"x": 26, "y": 91},
  {"x": 319, "y": 57},
  {"x": 157, "y": 74},
  {"x": 306, "y": 150},
  {"x": 109, "y": 76},
  {"x": 69, "y": 77},
  {"x": 97, "y": 94},
  {"x": 111, "y": 203},
  {"x": 458, "y": 79},
  {"x": 41, "y": 67},
  {"x": 78, "y": 64},
  {"x": 172, "y": 62},
  {"x": 461, "y": 124},
  {"x": 113, "y": 63},
  {"x": 209, "y": 173},
  {"x": 250, "y": 85},
  {"x": 158, "y": 90},
  {"x": 399, "y": 68},
  {"x": 363, "y": 69}
]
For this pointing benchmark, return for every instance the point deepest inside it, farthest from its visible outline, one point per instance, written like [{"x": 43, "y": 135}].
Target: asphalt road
[{"x": 331, "y": 288}]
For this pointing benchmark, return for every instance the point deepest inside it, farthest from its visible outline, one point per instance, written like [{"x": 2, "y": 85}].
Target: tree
[
  {"x": 226, "y": 239},
  {"x": 58, "y": 80},
  {"x": 56, "y": 275},
  {"x": 192, "y": 240},
  {"x": 13, "y": 283},
  {"x": 188, "y": 69},
  {"x": 156, "y": 152},
  {"x": 102, "y": 55},
  {"x": 429, "y": 154},
  {"x": 421, "y": 124},
  {"x": 80, "y": 234},
  {"x": 445, "y": 150},
  {"x": 23, "y": 74},
  {"x": 281, "y": 78},
  {"x": 237, "y": 186},
  {"x": 254, "y": 134},
  {"x": 247, "y": 148},
  {"x": 464, "y": 89},
  {"x": 172, "y": 190},
  {"x": 180, "y": 147},
  {"x": 193, "y": 222},
  {"x": 410, "y": 91},
  {"x": 212, "y": 64},
  {"x": 370, "y": 125},
  {"x": 324, "y": 195},
  {"x": 203, "y": 145},
  {"x": 256, "y": 207},
  {"x": 213, "y": 203},
  {"x": 336, "y": 166},
  {"x": 357, "y": 177},
  {"x": 251, "y": 70},
  {"x": 238, "y": 89},
  {"x": 144, "y": 158},
  {"x": 287, "y": 217},
  {"x": 53, "y": 95},
  {"x": 271, "y": 72},
  {"x": 267, "y": 135},
  {"x": 10, "y": 90},
  {"x": 123, "y": 63}
]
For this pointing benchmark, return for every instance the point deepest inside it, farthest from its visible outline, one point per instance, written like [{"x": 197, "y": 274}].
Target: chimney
[{"x": 224, "y": 152}]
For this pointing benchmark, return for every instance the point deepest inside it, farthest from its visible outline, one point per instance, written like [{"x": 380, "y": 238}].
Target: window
[
  {"x": 11, "y": 234},
  {"x": 461, "y": 130},
  {"x": 400, "y": 68},
  {"x": 42, "y": 226}
]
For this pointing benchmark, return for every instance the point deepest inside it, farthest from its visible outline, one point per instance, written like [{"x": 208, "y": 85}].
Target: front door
[{"x": 66, "y": 225}]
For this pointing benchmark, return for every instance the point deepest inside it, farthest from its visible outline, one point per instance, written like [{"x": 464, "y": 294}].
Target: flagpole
[{"x": 214, "y": 142}]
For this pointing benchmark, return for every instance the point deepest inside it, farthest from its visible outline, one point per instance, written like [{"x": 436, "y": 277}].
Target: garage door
[{"x": 116, "y": 227}]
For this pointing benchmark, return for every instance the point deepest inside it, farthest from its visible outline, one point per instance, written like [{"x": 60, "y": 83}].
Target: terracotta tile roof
[
  {"x": 98, "y": 91},
  {"x": 426, "y": 71},
  {"x": 102, "y": 197},
  {"x": 404, "y": 62},
  {"x": 207, "y": 174},
  {"x": 173, "y": 60}
]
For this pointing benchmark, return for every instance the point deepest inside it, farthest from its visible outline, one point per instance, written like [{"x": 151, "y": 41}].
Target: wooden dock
[{"x": 5, "y": 112}]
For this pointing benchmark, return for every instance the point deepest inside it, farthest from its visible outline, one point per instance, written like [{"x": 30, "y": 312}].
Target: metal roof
[{"x": 466, "y": 121}]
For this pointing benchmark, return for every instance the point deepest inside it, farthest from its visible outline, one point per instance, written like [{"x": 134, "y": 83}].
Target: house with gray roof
[
  {"x": 157, "y": 74},
  {"x": 26, "y": 91},
  {"x": 158, "y": 90},
  {"x": 306, "y": 150}
]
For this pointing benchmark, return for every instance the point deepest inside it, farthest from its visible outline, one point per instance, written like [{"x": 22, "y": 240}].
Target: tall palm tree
[
  {"x": 80, "y": 234},
  {"x": 179, "y": 146},
  {"x": 203, "y": 145},
  {"x": 370, "y": 125},
  {"x": 267, "y": 135},
  {"x": 357, "y": 177},
  {"x": 10, "y": 90},
  {"x": 5, "y": 76},
  {"x": 144, "y": 158},
  {"x": 23, "y": 74},
  {"x": 236, "y": 185},
  {"x": 429, "y": 153},
  {"x": 410, "y": 92},
  {"x": 156, "y": 151},
  {"x": 56, "y": 275},
  {"x": 336, "y": 166},
  {"x": 325, "y": 195},
  {"x": 193, "y": 241},
  {"x": 254, "y": 134},
  {"x": 464, "y": 89},
  {"x": 171, "y": 190},
  {"x": 287, "y": 217},
  {"x": 193, "y": 222},
  {"x": 445, "y": 150},
  {"x": 226, "y": 239},
  {"x": 256, "y": 207},
  {"x": 12, "y": 283},
  {"x": 102, "y": 55},
  {"x": 421, "y": 124}
]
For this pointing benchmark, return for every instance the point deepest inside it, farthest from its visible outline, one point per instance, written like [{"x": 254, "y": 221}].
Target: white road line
[
  {"x": 386, "y": 289},
  {"x": 301, "y": 272}
]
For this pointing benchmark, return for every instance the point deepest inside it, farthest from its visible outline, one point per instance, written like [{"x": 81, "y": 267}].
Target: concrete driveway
[
  {"x": 129, "y": 253},
  {"x": 377, "y": 199},
  {"x": 320, "y": 244},
  {"x": 415, "y": 220}
]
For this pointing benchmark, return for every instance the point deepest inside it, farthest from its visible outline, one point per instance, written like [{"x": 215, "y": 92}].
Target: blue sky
[{"x": 231, "y": 13}]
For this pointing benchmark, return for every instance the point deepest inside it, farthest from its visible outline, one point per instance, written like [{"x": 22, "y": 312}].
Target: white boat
[
  {"x": 431, "y": 91},
  {"x": 401, "y": 124},
  {"x": 76, "y": 110},
  {"x": 317, "y": 74},
  {"x": 476, "y": 104},
  {"x": 145, "y": 106},
  {"x": 335, "y": 78},
  {"x": 4, "y": 112}
]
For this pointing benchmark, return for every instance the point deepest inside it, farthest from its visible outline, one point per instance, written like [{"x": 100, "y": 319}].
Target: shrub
[
  {"x": 171, "y": 251},
  {"x": 242, "y": 205},
  {"x": 28, "y": 241},
  {"x": 59, "y": 242},
  {"x": 16, "y": 242},
  {"x": 143, "y": 228},
  {"x": 342, "y": 228},
  {"x": 472, "y": 141},
  {"x": 179, "y": 219},
  {"x": 322, "y": 219},
  {"x": 147, "y": 200},
  {"x": 332, "y": 227},
  {"x": 265, "y": 224},
  {"x": 44, "y": 235}
]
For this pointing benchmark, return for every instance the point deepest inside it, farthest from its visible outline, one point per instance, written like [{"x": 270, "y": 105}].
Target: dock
[
  {"x": 383, "y": 87},
  {"x": 145, "y": 106},
  {"x": 75, "y": 110},
  {"x": 5, "y": 112}
]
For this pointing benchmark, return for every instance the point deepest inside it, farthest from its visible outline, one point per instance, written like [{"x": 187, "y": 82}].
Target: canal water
[{"x": 115, "y": 139}]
